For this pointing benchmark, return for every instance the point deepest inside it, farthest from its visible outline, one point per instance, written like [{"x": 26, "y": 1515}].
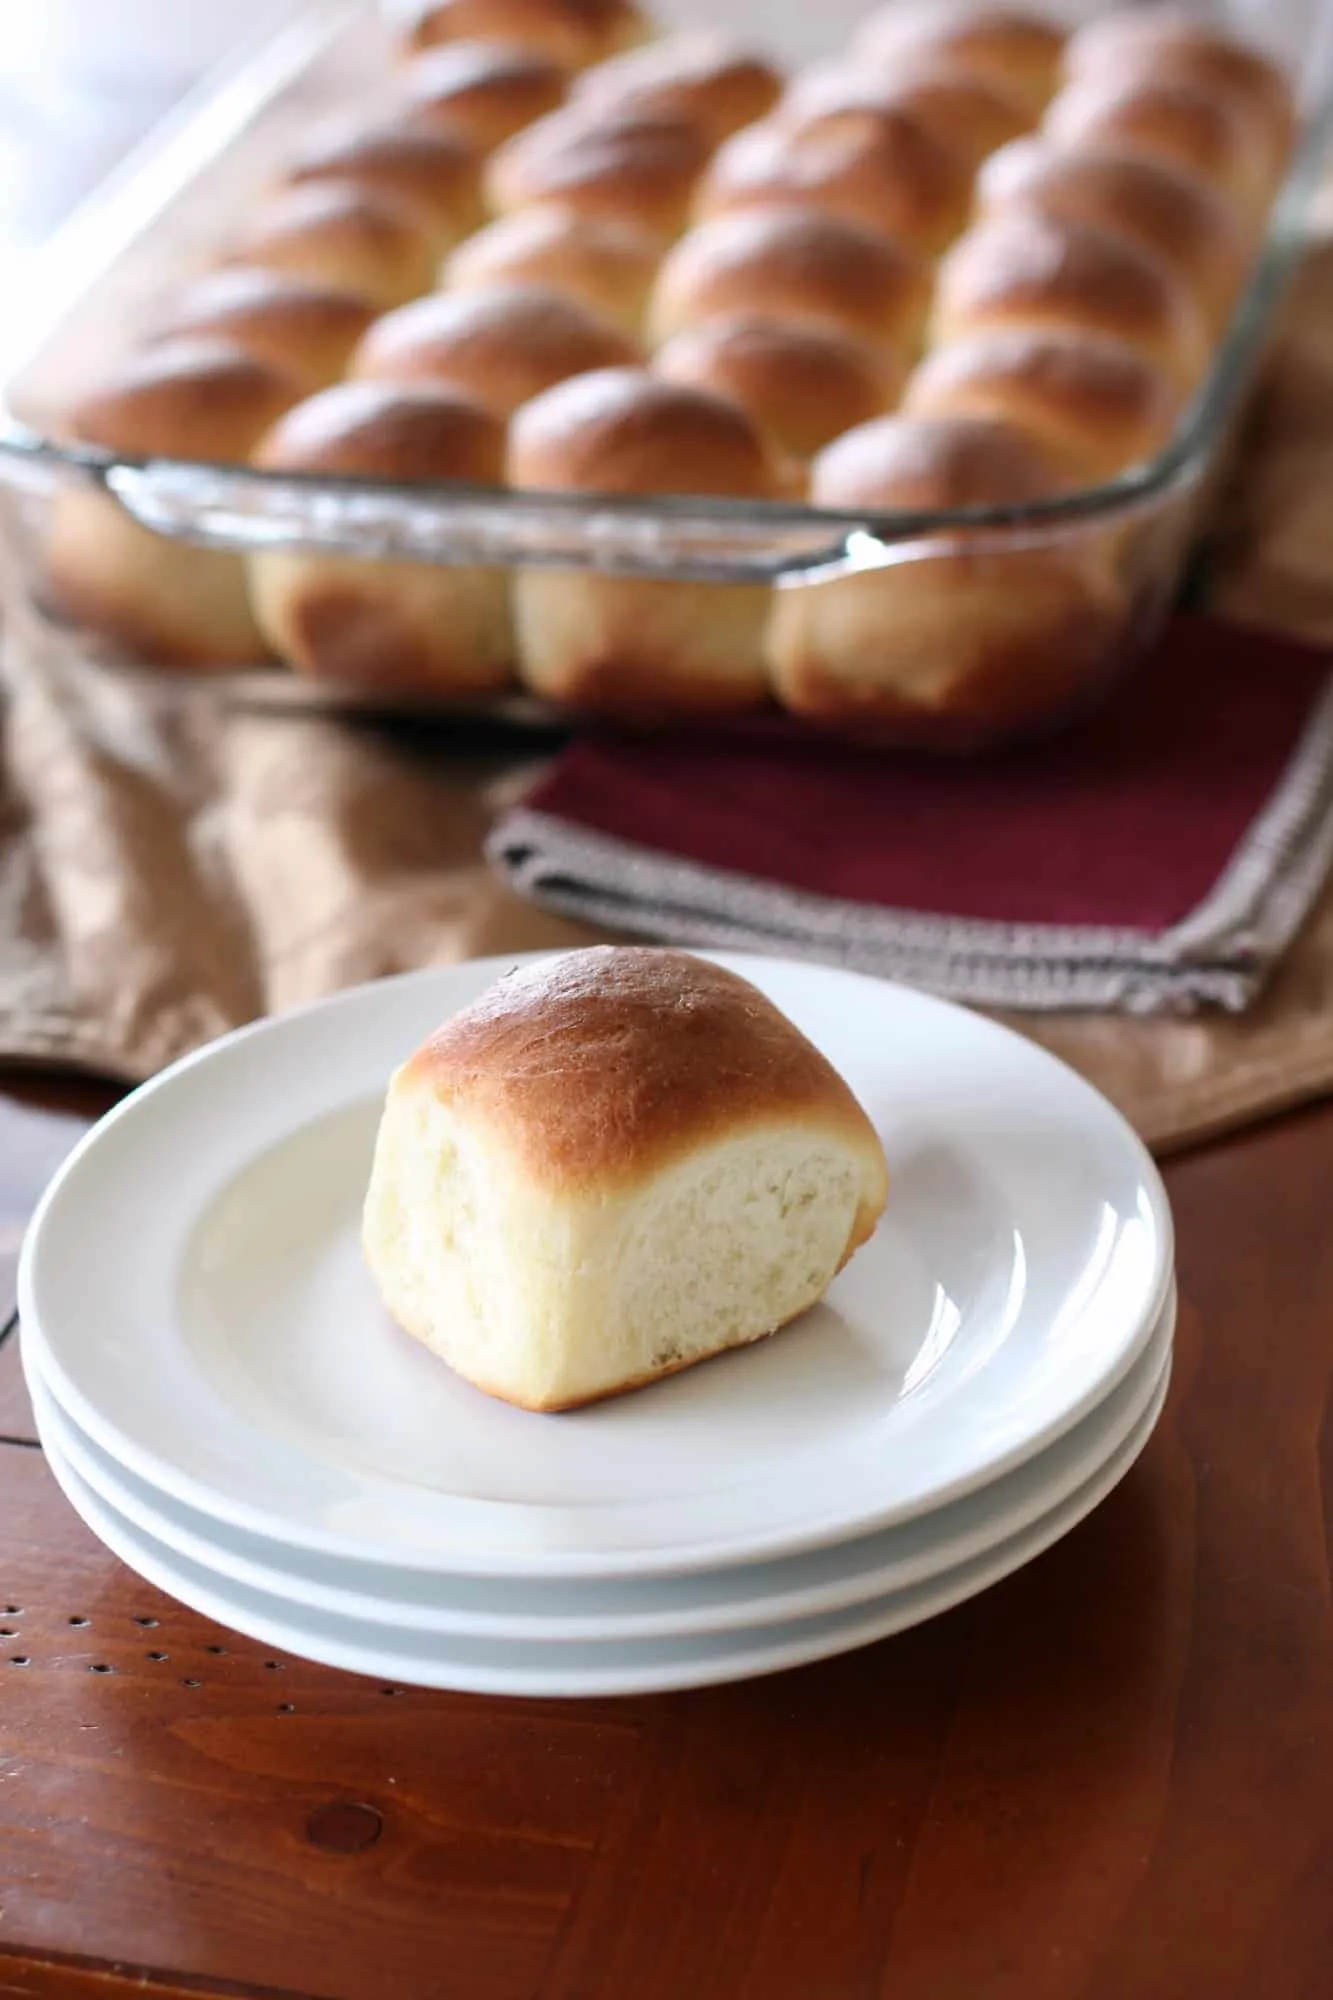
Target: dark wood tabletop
[{"x": 1110, "y": 1778}]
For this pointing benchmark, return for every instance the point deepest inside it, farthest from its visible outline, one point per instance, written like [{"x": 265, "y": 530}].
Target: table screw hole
[
  {"x": 79, "y": 1621},
  {"x": 101, "y": 1667},
  {"x": 190, "y": 1683},
  {"x": 19, "y": 1660},
  {"x": 159, "y": 1656}
]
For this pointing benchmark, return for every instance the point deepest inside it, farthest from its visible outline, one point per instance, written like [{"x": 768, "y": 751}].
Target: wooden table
[{"x": 1110, "y": 1778}]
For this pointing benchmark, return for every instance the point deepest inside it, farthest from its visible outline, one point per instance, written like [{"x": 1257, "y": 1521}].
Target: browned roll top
[
  {"x": 184, "y": 398},
  {"x": 436, "y": 175},
  {"x": 305, "y": 330},
  {"x": 379, "y": 430},
  {"x": 802, "y": 385},
  {"x": 570, "y": 32},
  {"x": 704, "y": 76},
  {"x": 966, "y": 113},
  {"x": 1018, "y": 51},
  {"x": 637, "y": 170},
  {"x": 606, "y": 266},
  {"x": 342, "y": 236},
  {"x": 481, "y": 92}
]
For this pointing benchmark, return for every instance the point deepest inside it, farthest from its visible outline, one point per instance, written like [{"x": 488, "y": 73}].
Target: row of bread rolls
[{"x": 770, "y": 255}]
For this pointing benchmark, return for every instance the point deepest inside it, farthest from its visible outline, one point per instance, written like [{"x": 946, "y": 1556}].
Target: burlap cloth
[{"x": 172, "y": 866}]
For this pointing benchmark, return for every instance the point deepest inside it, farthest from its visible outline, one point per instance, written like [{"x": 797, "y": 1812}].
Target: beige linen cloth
[{"x": 172, "y": 865}]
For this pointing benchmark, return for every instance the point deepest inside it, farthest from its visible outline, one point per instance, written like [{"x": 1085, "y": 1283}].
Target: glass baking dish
[{"x": 160, "y": 215}]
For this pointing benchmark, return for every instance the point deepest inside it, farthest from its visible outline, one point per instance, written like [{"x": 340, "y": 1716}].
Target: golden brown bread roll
[
  {"x": 1024, "y": 269},
  {"x": 965, "y": 113},
  {"x": 1096, "y": 405},
  {"x": 571, "y": 32},
  {"x": 636, "y": 644},
  {"x": 640, "y": 171},
  {"x": 556, "y": 1155},
  {"x": 1178, "y": 217},
  {"x": 950, "y": 642},
  {"x": 1178, "y": 123},
  {"x": 798, "y": 265},
  {"x": 802, "y": 385},
  {"x": 502, "y": 346},
  {"x": 436, "y": 176},
  {"x": 155, "y": 598},
  {"x": 1016, "y": 50},
  {"x": 877, "y": 167},
  {"x": 402, "y": 627},
  {"x": 306, "y": 330},
  {"x": 703, "y": 76},
  {"x": 604, "y": 266},
  {"x": 481, "y": 92},
  {"x": 332, "y": 234}
]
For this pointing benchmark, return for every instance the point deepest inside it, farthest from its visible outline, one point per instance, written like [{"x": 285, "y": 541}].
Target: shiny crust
[
  {"x": 966, "y": 113},
  {"x": 374, "y": 430},
  {"x": 502, "y": 345},
  {"x": 1168, "y": 212},
  {"x": 879, "y": 167},
  {"x": 624, "y": 430},
  {"x": 305, "y": 330},
  {"x": 604, "y": 1066},
  {"x": 1169, "y": 120},
  {"x": 915, "y": 462},
  {"x": 435, "y": 174},
  {"x": 1026, "y": 269},
  {"x": 184, "y": 399},
  {"x": 343, "y": 236},
  {"x": 704, "y": 76},
  {"x": 481, "y": 92},
  {"x": 793, "y": 264},
  {"x": 606, "y": 267},
  {"x": 636, "y": 170},
  {"x": 570, "y": 32},
  {"x": 1018, "y": 51},
  {"x": 1096, "y": 404},
  {"x": 1156, "y": 44},
  {"x": 802, "y": 385}
]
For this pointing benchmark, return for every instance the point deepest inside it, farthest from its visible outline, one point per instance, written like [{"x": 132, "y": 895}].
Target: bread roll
[
  {"x": 880, "y": 168},
  {"x": 1028, "y": 270},
  {"x": 333, "y": 234},
  {"x": 481, "y": 92},
  {"x": 306, "y": 330},
  {"x": 802, "y": 385},
  {"x": 1019, "y": 52},
  {"x": 613, "y": 1165},
  {"x": 945, "y": 643},
  {"x": 1173, "y": 214},
  {"x": 436, "y": 176},
  {"x": 1096, "y": 405},
  {"x": 411, "y": 628},
  {"x": 637, "y": 644},
  {"x": 603, "y": 266},
  {"x": 1175, "y": 122},
  {"x": 152, "y": 597},
  {"x": 965, "y": 113},
  {"x": 638, "y": 171},
  {"x": 569, "y": 32},
  {"x": 501, "y": 346},
  {"x": 703, "y": 76},
  {"x": 797, "y": 265}
]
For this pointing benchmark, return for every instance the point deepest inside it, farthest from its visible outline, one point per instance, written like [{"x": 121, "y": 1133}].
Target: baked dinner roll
[
  {"x": 1019, "y": 52},
  {"x": 798, "y": 265},
  {"x": 341, "y": 236},
  {"x": 150, "y": 596},
  {"x": 1183, "y": 221},
  {"x": 639, "y": 644},
  {"x": 306, "y": 330},
  {"x": 955, "y": 640},
  {"x": 1178, "y": 123},
  {"x": 501, "y": 346},
  {"x": 704, "y": 76},
  {"x": 410, "y": 628},
  {"x": 640, "y": 171},
  {"x": 570, "y": 32},
  {"x": 1097, "y": 406},
  {"x": 1024, "y": 269},
  {"x": 612, "y": 1165},
  {"x": 878, "y": 167},
  {"x": 481, "y": 92},
  {"x": 802, "y": 385},
  {"x": 965, "y": 113},
  {"x": 436, "y": 176},
  {"x": 603, "y": 266}
]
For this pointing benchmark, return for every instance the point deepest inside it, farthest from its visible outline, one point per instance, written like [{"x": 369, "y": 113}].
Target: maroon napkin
[{"x": 1160, "y": 857}]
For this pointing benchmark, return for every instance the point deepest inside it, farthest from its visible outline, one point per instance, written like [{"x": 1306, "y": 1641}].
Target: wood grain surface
[{"x": 1110, "y": 1778}]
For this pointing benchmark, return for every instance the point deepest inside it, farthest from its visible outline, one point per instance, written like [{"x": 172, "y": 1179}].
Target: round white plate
[
  {"x": 724, "y": 1600},
  {"x": 480, "y": 1666},
  {"x": 194, "y": 1293}
]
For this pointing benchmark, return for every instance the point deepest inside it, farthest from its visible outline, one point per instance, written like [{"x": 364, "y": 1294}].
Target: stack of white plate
[{"x": 226, "y": 1405}]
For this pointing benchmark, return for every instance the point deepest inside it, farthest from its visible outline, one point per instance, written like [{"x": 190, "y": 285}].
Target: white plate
[
  {"x": 479, "y": 1666},
  {"x": 724, "y": 1600},
  {"x": 194, "y": 1293}
]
